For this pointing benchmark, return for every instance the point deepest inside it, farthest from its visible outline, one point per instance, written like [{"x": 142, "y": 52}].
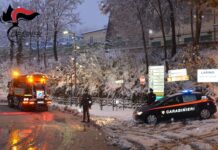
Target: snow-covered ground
[
  {"x": 121, "y": 130},
  {"x": 106, "y": 112},
  {"x": 192, "y": 134}
]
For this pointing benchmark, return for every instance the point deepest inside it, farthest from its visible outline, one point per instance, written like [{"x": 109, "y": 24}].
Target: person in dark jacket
[
  {"x": 86, "y": 103},
  {"x": 151, "y": 97}
]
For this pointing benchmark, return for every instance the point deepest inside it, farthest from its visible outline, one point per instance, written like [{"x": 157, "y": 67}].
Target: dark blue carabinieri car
[{"x": 178, "y": 106}]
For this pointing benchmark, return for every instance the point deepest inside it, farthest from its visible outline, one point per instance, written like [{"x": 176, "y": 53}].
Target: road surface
[{"x": 51, "y": 130}]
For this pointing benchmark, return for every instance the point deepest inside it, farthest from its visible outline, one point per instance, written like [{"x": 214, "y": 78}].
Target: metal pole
[
  {"x": 214, "y": 26},
  {"x": 71, "y": 93},
  {"x": 75, "y": 69}
]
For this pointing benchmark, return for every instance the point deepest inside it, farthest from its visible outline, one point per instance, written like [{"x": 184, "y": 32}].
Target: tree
[
  {"x": 141, "y": 15},
  {"x": 161, "y": 11},
  {"x": 128, "y": 23},
  {"x": 158, "y": 7},
  {"x": 197, "y": 9},
  {"x": 173, "y": 27},
  {"x": 62, "y": 15}
]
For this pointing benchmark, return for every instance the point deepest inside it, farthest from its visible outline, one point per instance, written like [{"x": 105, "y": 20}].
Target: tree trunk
[
  {"x": 45, "y": 49},
  {"x": 55, "y": 45},
  {"x": 11, "y": 51},
  {"x": 192, "y": 24},
  {"x": 143, "y": 37},
  {"x": 199, "y": 14},
  {"x": 164, "y": 35},
  {"x": 173, "y": 27},
  {"x": 162, "y": 29},
  {"x": 19, "y": 48},
  {"x": 38, "y": 53},
  {"x": 30, "y": 47}
]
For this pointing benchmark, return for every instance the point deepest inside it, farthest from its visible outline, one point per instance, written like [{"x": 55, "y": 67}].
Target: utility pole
[{"x": 75, "y": 60}]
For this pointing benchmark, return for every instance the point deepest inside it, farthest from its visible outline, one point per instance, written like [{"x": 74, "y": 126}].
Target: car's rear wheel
[
  {"x": 152, "y": 119},
  {"x": 205, "y": 114}
]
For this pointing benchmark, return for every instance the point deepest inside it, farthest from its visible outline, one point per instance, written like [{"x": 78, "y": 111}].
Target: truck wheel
[
  {"x": 205, "y": 114},
  {"x": 10, "y": 102},
  {"x": 20, "y": 106},
  {"x": 152, "y": 119},
  {"x": 46, "y": 108}
]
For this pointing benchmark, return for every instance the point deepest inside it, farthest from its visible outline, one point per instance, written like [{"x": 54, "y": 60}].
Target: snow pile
[
  {"x": 95, "y": 111},
  {"x": 192, "y": 134}
]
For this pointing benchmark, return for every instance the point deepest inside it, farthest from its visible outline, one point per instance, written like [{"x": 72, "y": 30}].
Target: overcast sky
[{"x": 91, "y": 17}]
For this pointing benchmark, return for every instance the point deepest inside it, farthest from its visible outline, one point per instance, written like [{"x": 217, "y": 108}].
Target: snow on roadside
[
  {"x": 107, "y": 112},
  {"x": 123, "y": 132}
]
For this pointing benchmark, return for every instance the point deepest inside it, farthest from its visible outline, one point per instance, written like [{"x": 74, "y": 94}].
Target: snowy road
[
  {"x": 47, "y": 131},
  {"x": 189, "y": 135}
]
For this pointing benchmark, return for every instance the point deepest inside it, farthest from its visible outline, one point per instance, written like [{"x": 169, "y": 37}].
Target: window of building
[
  {"x": 168, "y": 42},
  {"x": 156, "y": 44},
  {"x": 187, "y": 20},
  {"x": 206, "y": 37},
  {"x": 91, "y": 40},
  {"x": 188, "y": 40}
]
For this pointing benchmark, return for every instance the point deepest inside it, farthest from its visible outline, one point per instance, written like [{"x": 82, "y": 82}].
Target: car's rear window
[{"x": 189, "y": 97}]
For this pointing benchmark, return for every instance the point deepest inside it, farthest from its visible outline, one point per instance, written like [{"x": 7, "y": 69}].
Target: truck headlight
[{"x": 139, "y": 113}]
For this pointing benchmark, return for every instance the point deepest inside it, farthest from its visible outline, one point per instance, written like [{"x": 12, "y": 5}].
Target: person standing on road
[
  {"x": 86, "y": 103},
  {"x": 151, "y": 97}
]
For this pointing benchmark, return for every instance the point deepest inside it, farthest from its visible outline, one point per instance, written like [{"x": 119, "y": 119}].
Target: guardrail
[
  {"x": 115, "y": 103},
  {"x": 3, "y": 102}
]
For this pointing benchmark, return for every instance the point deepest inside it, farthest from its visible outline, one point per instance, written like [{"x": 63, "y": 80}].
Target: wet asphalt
[{"x": 50, "y": 130}]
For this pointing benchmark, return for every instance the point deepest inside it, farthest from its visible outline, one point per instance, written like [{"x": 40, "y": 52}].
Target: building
[
  {"x": 184, "y": 33},
  {"x": 124, "y": 30},
  {"x": 94, "y": 37}
]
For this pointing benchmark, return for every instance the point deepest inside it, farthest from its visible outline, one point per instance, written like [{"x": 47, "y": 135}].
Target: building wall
[
  {"x": 183, "y": 31},
  {"x": 98, "y": 36},
  {"x": 124, "y": 29}
]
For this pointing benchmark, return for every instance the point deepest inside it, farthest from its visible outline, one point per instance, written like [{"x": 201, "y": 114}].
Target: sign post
[
  {"x": 156, "y": 80},
  {"x": 207, "y": 75},
  {"x": 177, "y": 75}
]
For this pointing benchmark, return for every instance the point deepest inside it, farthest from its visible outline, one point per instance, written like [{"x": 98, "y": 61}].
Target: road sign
[
  {"x": 119, "y": 82},
  {"x": 156, "y": 79},
  {"x": 177, "y": 75},
  {"x": 207, "y": 75}
]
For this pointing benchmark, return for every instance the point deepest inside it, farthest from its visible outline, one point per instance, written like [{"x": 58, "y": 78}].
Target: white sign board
[
  {"x": 40, "y": 94},
  {"x": 156, "y": 79},
  {"x": 177, "y": 75},
  {"x": 207, "y": 75},
  {"x": 119, "y": 82}
]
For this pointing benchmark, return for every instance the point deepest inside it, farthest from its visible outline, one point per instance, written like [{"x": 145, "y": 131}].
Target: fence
[
  {"x": 3, "y": 102},
  {"x": 114, "y": 103}
]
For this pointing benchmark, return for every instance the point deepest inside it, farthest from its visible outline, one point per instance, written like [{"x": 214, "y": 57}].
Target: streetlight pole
[
  {"x": 75, "y": 61},
  {"x": 150, "y": 32},
  {"x": 75, "y": 69}
]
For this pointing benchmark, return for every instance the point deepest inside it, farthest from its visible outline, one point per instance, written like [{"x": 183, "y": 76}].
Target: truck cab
[{"x": 28, "y": 92}]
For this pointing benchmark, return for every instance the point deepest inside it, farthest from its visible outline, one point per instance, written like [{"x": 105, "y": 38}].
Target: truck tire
[
  {"x": 20, "y": 106},
  {"x": 10, "y": 102}
]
